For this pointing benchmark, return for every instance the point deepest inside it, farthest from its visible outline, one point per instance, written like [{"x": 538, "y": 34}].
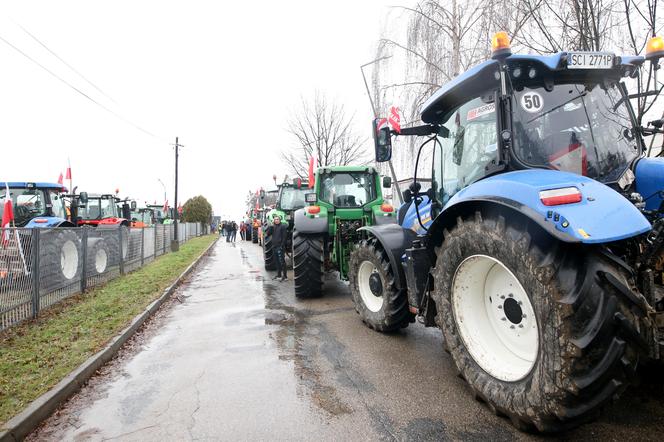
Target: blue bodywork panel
[
  {"x": 603, "y": 215},
  {"x": 51, "y": 221},
  {"x": 411, "y": 222},
  {"x": 650, "y": 181}
]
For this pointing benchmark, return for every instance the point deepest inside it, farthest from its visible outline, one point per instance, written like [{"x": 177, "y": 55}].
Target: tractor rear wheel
[
  {"x": 97, "y": 257},
  {"x": 536, "y": 327},
  {"x": 60, "y": 259},
  {"x": 254, "y": 235},
  {"x": 268, "y": 252},
  {"x": 308, "y": 258},
  {"x": 380, "y": 304}
]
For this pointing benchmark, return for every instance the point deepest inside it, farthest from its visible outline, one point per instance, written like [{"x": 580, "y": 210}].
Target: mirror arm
[{"x": 424, "y": 130}]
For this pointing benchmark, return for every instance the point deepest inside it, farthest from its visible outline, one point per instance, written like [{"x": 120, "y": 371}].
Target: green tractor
[
  {"x": 344, "y": 199},
  {"x": 289, "y": 199}
]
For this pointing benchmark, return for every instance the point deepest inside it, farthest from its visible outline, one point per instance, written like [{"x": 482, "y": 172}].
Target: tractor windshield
[
  {"x": 348, "y": 189},
  {"x": 27, "y": 204},
  {"x": 292, "y": 198},
  {"x": 579, "y": 128},
  {"x": 99, "y": 208}
]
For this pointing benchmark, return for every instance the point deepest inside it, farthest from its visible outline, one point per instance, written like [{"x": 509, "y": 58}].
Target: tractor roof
[
  {"x": 483, "y": 77},
  {"x": 23, "y": 184},
  {"x": 328, "y": 169}
]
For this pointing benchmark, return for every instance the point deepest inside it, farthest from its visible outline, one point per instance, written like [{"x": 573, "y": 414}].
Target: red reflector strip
[
  {"x": 556, "y": 197},
  {"x": 41, "y": 220}
]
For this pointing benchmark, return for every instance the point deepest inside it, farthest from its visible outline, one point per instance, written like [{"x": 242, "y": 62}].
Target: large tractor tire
[
  {"x": 97, "y": 257},
  {"x": 254, "y": 235},
  {"x": 308, "y": 258},
  {"x": 380, "y": 304},
  {"x": 536, "y": 327},
  {"x": 268, "y": 253},
  {"x": 114, "y": 241},
  {"x": 60, "y": 259}
]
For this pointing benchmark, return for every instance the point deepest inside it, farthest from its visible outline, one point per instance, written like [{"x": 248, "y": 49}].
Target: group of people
[{"x": 229, "y": 229}]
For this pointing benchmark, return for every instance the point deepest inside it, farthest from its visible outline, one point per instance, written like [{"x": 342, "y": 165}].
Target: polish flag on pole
[
  {"x": 394, "y": 119},
  {"x": 68, "y": 170},
  {"x": 60, "y": 180},
  {"x": 165, "y": 208},
  {"x": 7, "y": 216},
  {"x": 312, "y": 166}
]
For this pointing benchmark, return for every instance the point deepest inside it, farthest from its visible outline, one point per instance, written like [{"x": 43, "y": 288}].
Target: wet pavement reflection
[{"x": 236, "y": 357}]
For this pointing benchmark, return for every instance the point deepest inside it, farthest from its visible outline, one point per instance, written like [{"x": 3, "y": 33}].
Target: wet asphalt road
[{"x": 238, "y": 358}]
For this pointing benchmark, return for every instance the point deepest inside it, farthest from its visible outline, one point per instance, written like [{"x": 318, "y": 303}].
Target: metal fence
[{"x": 40, "y": 267}]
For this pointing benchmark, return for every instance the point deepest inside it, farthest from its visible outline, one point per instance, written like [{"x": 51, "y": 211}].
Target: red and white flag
[
  {"x": 180, "y": 209},
  {"x": 312, "y": 166},
  {"x": 7, "y": 216},
  {"x": 394, "y": 119},
  {"x": 68, "y": 170},
  {"x": 60, "y": 180},
  {"x": 165, "y": 208}
]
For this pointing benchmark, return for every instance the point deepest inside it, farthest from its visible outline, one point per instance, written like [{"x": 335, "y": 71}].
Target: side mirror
[
  {"x": 382, "y": 140},
  {"x": 387, "y": 182},
  {"x": 83, "y": 198},
  {"x": 310, "y": 197},
  {"x": 133, "y": 205}
]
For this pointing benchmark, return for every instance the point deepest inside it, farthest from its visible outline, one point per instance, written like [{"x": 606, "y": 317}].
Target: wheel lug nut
[
  {"x": 511, "y": 295},
  {"x": 520, "y": 303},
  {"x": 500, "y": 307},
  {"x": 502, "y": 296},
  {"x": 503, "y": 319},
  {"x": 511, "y": 326},
  {"x": 523, "y": 316},
  {"x": 520, "y": 325}
]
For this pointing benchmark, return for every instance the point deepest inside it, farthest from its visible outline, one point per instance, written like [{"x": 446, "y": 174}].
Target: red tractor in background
[{"x": 111, "y": 218}]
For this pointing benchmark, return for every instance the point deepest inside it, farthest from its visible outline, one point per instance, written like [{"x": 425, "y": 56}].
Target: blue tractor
[
  {"x": 42, "y": 206},
  {"x": 539, "y": 248}
]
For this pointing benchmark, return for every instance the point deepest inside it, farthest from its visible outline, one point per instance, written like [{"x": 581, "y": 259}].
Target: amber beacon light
[
  {"x": 655, "y": 48},
  {"x": 500, "y": 45}
]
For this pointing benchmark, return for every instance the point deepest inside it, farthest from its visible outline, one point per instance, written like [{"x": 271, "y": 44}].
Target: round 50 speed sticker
[{"x": 532, "y": 102}]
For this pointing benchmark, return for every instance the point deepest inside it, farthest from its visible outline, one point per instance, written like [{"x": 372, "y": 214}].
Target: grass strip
[{"x": 36, "y": 355}]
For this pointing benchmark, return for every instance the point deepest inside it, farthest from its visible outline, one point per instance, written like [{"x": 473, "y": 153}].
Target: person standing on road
[
  {"x": 229, "y": 230},
  {"x": 233, "y": 231},
  {"x": 279, "y": 232},
  {"x": 243, "y": 230}
]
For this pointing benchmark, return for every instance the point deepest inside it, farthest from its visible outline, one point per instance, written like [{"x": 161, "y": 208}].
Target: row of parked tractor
[
  {"x": 53, "y": 210},
  {"x": 538, "y": 246}
]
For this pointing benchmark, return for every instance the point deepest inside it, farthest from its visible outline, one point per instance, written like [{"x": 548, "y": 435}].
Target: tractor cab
[
  {"x": 142, "y": 217},
  {"x": 161, "y": 216},
  {"x": 36, "y": 204},
  {"x": 290, "y": 197},
  {"x": 102, "y": 209}
]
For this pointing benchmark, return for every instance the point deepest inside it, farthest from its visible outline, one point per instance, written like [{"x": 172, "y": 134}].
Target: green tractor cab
[
  {"x": 289, "y": 199},
  {"x": 344, "y": 199}
]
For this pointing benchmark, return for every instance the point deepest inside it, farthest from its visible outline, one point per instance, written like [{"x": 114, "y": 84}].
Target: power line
[
  {"x": 64, "y": 62},
  {"x": 136, "y": 126}
]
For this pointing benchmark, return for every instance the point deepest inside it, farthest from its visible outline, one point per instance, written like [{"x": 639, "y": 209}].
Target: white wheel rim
[
  {"x": 101, "y": 260},
  {"x": 69, "y": 259},
  {"x": 371, "y": 301},
  {"x": 495, "y": 318}
]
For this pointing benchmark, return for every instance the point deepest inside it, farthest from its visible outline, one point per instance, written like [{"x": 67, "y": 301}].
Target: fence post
[
  {"x": 163, "y": 234},
  {"x": 84, "y": 252},
  {"x": 143, "y": 246},
  {"x": 35, "y": 271},
  {"x": 120, "y": 250},
  {"x": 154, "y": 244}
]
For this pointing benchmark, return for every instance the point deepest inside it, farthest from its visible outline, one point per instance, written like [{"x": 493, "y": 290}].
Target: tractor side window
[
  {"x": 57, "y": 205},
  {"x": 470, "y": 147}
]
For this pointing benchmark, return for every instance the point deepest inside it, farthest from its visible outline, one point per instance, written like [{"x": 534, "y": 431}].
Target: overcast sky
[{"x": 223, "y": 76}]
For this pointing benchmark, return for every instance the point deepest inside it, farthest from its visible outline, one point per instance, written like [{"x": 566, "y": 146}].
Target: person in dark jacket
[{"x": 278, "y": 232}]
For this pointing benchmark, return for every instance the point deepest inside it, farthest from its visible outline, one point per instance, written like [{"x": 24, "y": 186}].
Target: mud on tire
[
  {"x": 308, "y": 257},
  {"x": 588, "y": 341},
  {"x": 388, "y": 310}
]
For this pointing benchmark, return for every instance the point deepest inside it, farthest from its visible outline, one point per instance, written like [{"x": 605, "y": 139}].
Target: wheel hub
[
  {"x": 375, "y": 284},
  {"x": 513, "y": 311}
]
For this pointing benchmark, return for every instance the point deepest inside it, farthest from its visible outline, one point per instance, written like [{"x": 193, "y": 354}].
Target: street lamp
[{"x": 164, "y": 186}]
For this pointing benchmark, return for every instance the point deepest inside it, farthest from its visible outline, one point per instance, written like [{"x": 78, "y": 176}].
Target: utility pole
[
  {"x": 375, "y": 112},
  {"x": 175, "y": 245}
]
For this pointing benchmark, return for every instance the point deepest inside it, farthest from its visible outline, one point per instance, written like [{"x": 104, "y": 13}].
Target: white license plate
[{"x": 589, "y": 60}]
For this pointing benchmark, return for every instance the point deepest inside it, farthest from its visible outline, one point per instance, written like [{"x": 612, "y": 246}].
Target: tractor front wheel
[
  {"x": 60, "y": 259},
  {"x": 97, "y": 257},
  {"x": 380, "y": 304},
  {"x": 308, "y": 258},
  {"x": 254, "y": 235},
  {"x": 268, "y": 252},
  {"x": 534, "y": 325}
]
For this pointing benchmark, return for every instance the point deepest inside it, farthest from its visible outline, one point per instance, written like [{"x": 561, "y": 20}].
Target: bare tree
[{"x": 323, "y": 130}]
